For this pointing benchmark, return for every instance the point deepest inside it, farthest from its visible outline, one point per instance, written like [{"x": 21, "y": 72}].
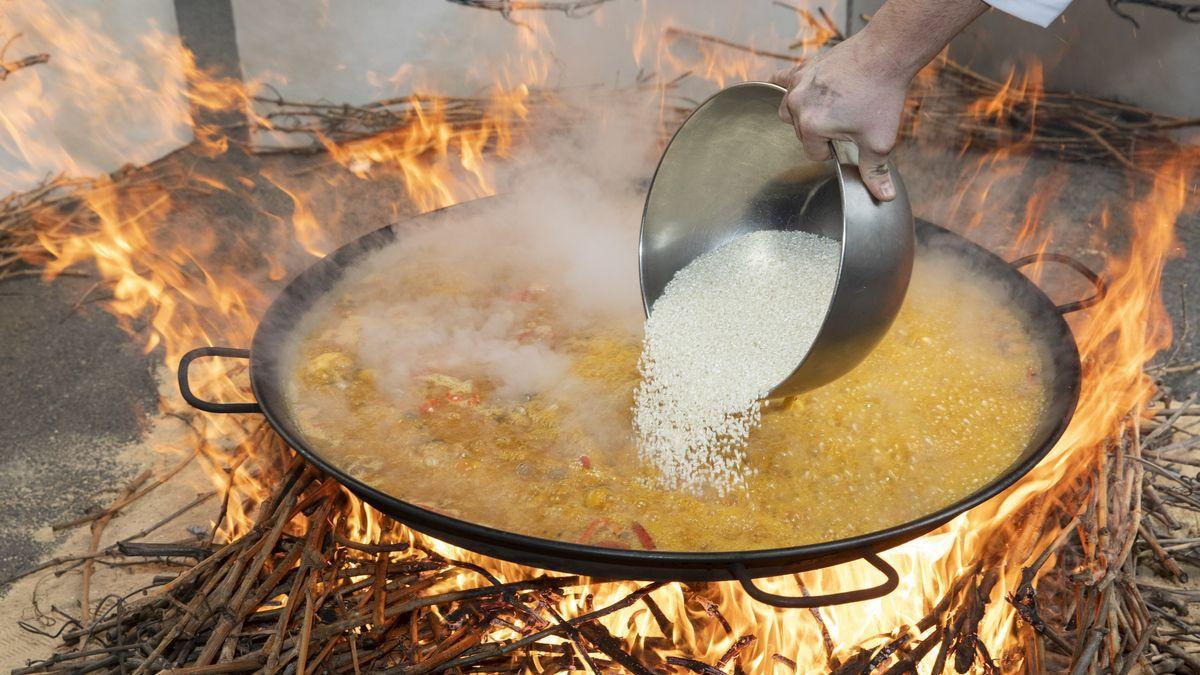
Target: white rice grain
[{"x": 727, "y": 329}]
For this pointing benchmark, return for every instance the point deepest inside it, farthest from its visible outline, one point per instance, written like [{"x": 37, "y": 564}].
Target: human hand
[{"x": 852, "y": 92}]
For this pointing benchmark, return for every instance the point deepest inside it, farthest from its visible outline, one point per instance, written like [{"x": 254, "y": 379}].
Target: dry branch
[
  {"x": 366, "y": 606},
  {"x": 571, "y": 8},
  {"x": 11, "y": 67}
]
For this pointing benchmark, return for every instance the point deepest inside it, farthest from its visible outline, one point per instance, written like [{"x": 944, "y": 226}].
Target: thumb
[
  {"x": 785, "y": 113},
  {"x": 783, "y": 79},
  {"x": 876, "y": 174}
]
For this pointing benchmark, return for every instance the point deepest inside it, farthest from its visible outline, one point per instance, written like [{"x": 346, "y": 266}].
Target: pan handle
[
  {"x": 809, "y": 601},
  {"x": 208, "y": 406},
  {"x": 1096, "y": 279}
]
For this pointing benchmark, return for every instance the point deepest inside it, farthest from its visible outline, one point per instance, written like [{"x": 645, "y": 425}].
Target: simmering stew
[{"x": 498, "y": 390}]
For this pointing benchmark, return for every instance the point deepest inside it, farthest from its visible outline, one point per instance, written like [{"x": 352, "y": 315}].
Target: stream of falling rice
[{"x": 727, "y": 329}]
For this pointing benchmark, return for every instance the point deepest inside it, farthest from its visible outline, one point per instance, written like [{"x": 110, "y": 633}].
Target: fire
[
  {"x": 723, "y": 62},
  {"x": 126, "y": 86},
  {"x": 1027, "y": 92},
  {"x": 192, "y": 291}
]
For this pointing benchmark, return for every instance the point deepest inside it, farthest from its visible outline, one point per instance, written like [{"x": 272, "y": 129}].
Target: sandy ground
[
  {"x": 39, "y": 601},
  {"x": 77, "y": 413},
  {"x": 75, "y": 391}
]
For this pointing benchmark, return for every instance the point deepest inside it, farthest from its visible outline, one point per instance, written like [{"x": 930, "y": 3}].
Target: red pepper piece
[
  {"x": 642, "y": 535},
  {"x": 590, "y": 530},
  {"x": 612, "y": 543},
  {"x": 585, "y": 461}
]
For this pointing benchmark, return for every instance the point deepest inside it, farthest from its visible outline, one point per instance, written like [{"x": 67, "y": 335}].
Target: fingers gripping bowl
[{"x": 271, "y": 371}]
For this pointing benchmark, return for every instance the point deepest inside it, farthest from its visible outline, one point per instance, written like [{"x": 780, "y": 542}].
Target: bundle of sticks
[
  {"x": 64, "y": 207},
  {"x": 300, "y": 591},
  {"x": 322, "y": 124},
  {"x": 311, "y": 127},
  {"x": 949, "y": 101},
  {"x": 958, "y": 102}
]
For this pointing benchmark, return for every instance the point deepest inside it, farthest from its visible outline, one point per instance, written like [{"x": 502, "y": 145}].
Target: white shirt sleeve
[{"x": 1041, "y": 12}]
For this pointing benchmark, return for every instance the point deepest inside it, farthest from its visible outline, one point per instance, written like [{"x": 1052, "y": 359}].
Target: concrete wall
[
  {"x": 112, "y": 91},
  {"x": 109, "y": 94},
  {"x": 1090, "y": 50},
  {"x": 358, "y": 50}
]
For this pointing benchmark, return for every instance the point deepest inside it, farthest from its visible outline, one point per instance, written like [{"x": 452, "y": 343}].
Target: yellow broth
[{"x": 946, "y": 403}]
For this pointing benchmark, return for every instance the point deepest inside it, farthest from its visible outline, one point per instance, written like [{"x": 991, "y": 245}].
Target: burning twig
[
  {"x": 735, "y": 649},
  {"x": 9, "y": 67},
  {"x": 574, "y": 8},
  {"x": 674, "y": 32},
  {"x": 664, "y": 624},
  {"x": 699, "y": 667},
  {"x": 599, "y": 636},
  {"x": 908, "y": 662},
  {"x": 711, "y": 609},
  {"x": 98, "y": 526},
  {"x": 127, "y": 499},
  {"x": 966, "y": 643},
  {"x": 826, "y": 638}
]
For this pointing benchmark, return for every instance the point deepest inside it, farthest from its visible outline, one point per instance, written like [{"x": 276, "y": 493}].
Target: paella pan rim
[{"x": 291, "y": 303}]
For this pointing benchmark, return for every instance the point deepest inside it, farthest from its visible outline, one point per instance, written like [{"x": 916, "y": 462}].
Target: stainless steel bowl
[{"x": 734, "y": 168}]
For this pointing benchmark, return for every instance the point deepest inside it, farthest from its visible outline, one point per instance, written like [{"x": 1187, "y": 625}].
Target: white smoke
[{"x": 565, "y": 225}]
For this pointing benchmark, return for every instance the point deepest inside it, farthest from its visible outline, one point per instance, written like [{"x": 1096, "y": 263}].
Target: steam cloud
[{"x": 566, "y": 223}]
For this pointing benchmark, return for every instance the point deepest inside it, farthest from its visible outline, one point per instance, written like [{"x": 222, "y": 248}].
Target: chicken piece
[
  {"x": 361, "y": 388},
  {"x": 328, "y": 368},
  {"x": 452, "y": 384}
]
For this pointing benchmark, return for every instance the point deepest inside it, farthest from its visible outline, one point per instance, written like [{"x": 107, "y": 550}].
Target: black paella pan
[{"x": 1042, "y": 318}]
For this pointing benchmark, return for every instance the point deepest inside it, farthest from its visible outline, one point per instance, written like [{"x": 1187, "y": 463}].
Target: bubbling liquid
[{"x": 492, "y": 395}]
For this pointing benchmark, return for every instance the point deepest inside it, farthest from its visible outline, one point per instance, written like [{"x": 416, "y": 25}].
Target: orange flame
[{"x": 192, "y": 291}]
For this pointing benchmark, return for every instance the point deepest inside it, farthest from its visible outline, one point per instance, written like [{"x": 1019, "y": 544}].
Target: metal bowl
[{"x": 734, "y": 168}]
